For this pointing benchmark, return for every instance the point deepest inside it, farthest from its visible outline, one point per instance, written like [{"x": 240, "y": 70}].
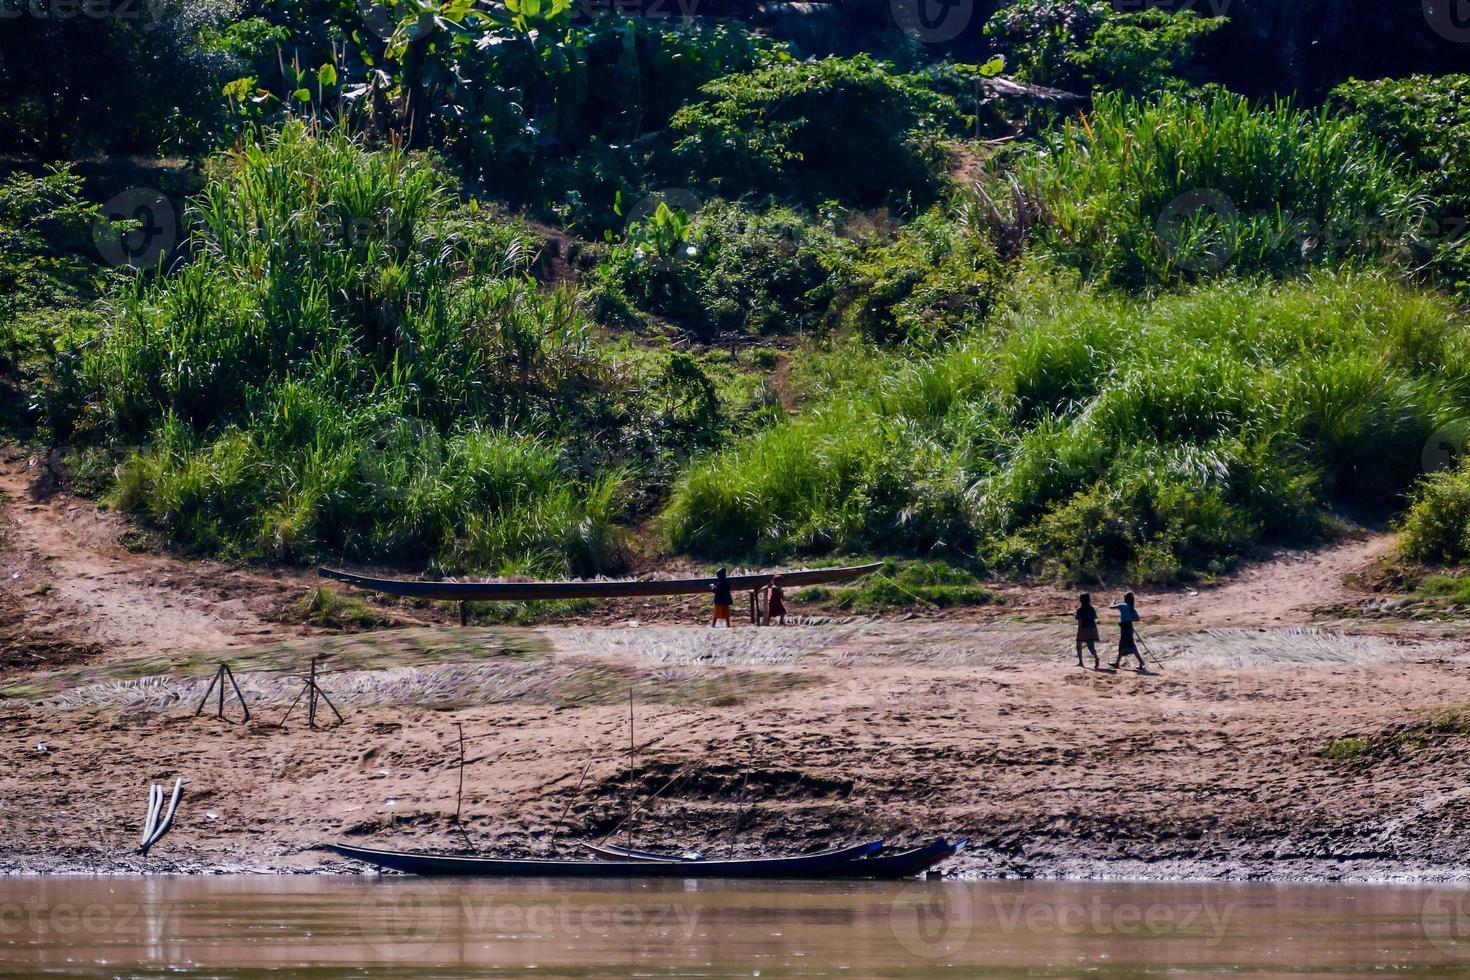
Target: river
[{"x": 325, "y": 926}]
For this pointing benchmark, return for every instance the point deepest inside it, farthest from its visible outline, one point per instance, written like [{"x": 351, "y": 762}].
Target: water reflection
[{"x": 391, "y": 926}]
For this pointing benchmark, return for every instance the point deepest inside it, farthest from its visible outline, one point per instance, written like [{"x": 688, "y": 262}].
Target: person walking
[
  {"x": 1127, "y": 642},
  {"x": 775, "y": 602},
  {"x": 1086, "y": 616},
  {"x": 723, "y": 599}
]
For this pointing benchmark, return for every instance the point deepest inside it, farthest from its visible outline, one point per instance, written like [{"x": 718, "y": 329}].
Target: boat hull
[
  {"x": 530, "y": 591},
  {"x": 829, "y": 864}
]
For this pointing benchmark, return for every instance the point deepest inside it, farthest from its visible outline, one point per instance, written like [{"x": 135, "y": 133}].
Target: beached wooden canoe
[
  {"x": 882, "y": 863},
  {"x": 589, "y": 589},
  {"x": 613, "y": 852},
  {"x": 828, "y": 864}
]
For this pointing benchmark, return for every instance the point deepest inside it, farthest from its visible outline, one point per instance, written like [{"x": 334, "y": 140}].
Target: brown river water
[{"x": 330, "y": 926}]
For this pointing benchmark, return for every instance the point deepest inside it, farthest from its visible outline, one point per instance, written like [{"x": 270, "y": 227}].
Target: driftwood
[{"x": 1001, "y": 89}]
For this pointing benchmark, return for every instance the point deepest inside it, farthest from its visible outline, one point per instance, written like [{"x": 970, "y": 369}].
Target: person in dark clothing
[
  {"x": 1086, "y": 616},
  {"x": 1127, "y": 643},
  {"x": 775, "y": 602},
  {"x": 723, "y": 599}
]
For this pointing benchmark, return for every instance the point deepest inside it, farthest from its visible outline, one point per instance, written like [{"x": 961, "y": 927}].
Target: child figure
[{"x": 1086, "y": 616}]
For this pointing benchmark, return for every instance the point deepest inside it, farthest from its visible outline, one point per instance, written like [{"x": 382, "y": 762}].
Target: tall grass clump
[
  {"x": 1087, "y": 434},
  {"x": 1145, "y": 192},
  {"x": 352, "y": 363}
]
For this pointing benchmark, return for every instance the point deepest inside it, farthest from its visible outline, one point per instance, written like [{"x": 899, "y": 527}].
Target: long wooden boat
[
  {"x": 614, "y": 852},
  {"x": 828, "y": 864},
  {"x": 589, "y": 589},
  {"x": 905, "y": 864},
  {"x": 879, "y": 864}
]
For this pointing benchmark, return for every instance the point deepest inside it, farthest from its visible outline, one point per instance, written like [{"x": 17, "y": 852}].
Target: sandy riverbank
[{"x": 974, "y": 725}]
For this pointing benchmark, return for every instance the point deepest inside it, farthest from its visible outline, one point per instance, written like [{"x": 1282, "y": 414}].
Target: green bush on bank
[
  {"x": 1081, "y": 46},
  {"x": 1176, "y": 189},
  {"x": 349, "y": 366},
  {"x": 1425, "y": 122},
  {"x": 1084, "y": 434},
  {"x": 848, "y": 129},
  {"x": 727, "y": 269},
  {"x": 1436, "y": 526}
]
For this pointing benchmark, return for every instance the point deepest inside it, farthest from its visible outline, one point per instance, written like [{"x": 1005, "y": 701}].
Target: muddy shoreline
[{"x": 1283, "y": 733}]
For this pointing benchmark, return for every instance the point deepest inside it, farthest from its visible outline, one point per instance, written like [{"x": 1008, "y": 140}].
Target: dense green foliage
[
  {"x": 727, "y": 269},
  {"x": 1139, "y": 193},
  {"x": 844, "y": 128},
  {"x": 1089, "y": 433},
  {"x": 1436, "y": 526},
  {"x": 1074, "y": 44},
  {"x": 1425, "y": 122},
  {"x": 886, "y": 305},
  {"x": 46, "y": 286},
  {"x": 354, "y": 364}
]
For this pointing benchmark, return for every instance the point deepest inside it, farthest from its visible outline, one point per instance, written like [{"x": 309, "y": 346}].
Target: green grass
[
  {"x": 1455, "y": 588},
  {"x": 1182, "y": 187},
  {"x": 324, "y": 607},
  {"x": 1085, "y": 434},
  {"x": 1400, "y": 741},
  {"x": 901, "y": 586},
  {"x": 353, "y": 364}
]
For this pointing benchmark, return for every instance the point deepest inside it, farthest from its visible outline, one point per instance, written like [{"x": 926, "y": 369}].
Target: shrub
[
  {"x": 1085, "y": 434},
  {"x": 844, "y": 128},
  {"x": 1425, "y": 121},
  {"x": 933, "y": 279},
  {"x": 730, "y": 269},
  {"x": 1436, "y": 525},
  {"x": 46, "y": 283},
  {"x": 1073, "y": 44},
  {"x": 1138, "y": 193},
  {"x": 345, "y": 368}
]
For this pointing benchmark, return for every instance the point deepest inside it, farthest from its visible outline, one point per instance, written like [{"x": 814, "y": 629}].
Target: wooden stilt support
[
  {"x": 314, "y": 694},
  {"x": 464, "y": 619},
  {"x": 220, "y": 676}
]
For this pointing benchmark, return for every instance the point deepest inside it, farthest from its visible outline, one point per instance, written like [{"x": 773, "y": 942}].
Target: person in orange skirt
[{"x": 723, "y": 599}]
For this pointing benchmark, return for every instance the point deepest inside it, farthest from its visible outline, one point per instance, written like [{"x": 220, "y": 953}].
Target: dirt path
[
  {"x": 1289, "y": 588},
  {"x": 73, "y": 586}
]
